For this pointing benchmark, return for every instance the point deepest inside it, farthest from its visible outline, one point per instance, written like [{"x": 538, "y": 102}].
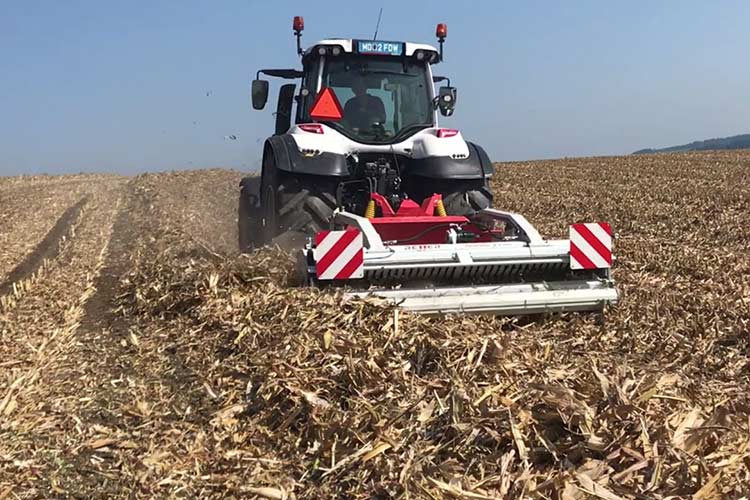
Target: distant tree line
[{"x": 734, "y": 142}]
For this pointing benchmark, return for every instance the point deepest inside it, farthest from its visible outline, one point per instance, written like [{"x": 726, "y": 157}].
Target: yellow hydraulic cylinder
[
  {"x": 440, "y": 209},
  {"x": 370, "y": 210}
]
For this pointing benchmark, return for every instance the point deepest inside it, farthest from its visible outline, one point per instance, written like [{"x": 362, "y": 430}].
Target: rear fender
[
  {"x": 289, "y": 158},
  {"x": 476, "y": 166},
  {"x": 481, "y": 155}
]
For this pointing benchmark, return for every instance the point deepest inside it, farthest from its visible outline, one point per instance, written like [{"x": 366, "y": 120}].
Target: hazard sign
[{"x": 326, "y": 106}]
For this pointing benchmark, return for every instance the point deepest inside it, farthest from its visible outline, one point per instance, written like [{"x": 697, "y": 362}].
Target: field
[{"x": 141, "y": 357}]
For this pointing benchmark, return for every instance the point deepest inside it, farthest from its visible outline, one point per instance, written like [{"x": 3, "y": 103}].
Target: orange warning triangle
[{"x": 326, "y": 106}]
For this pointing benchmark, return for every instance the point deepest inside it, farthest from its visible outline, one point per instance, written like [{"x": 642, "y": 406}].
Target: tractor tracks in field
[
  {"x": 32, "y": 266},
  {"x": 123, "y": 346},
  {"x": 40, "y": 339},
  {"x": 133, "y": 386},
  {"x": 89, "y": 390},
  {"x": 104, "y": 334}
]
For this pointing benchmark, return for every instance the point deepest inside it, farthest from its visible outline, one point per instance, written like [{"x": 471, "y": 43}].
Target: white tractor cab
[{"x": 365, "y": 122}]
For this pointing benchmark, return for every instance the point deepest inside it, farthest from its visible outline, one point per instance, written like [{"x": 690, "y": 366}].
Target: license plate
[{"x": 380, "y": 48}]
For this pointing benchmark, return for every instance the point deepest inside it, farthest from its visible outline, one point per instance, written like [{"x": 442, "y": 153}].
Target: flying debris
[{"x": 231, "y": 137}]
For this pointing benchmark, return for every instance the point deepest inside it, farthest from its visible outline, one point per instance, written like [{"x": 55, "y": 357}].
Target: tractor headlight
[
  {"x": 322, "y": 51},
  {"x": 336, "y": 51},
  {"x": 419, "y": 54}
]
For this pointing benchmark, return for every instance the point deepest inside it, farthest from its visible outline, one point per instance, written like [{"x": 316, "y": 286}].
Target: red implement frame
[{"x": 413, "y": 224}]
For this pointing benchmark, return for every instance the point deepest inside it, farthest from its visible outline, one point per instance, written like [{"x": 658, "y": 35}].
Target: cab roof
[{"x": 347, "y": 45}]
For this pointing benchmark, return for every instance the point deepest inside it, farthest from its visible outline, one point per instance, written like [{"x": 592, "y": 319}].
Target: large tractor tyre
[
  {"x": 269, "y": 193},
  {"x": 467, "y": 197},
  {"x": 308, "y": 210},
  {"x": 248, "y": 215},
  {"x": 294, "y": 206}
]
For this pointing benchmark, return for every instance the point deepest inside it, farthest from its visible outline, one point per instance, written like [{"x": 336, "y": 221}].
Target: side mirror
[
  {"x": 446, "y": 100},
  {"x": 259, "y": 93}
]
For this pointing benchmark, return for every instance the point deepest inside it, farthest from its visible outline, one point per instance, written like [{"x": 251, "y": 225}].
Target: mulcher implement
[{"x": 495, "y": 263}]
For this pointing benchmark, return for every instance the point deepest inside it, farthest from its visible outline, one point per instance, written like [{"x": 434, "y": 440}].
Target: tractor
[
  {"x": 379, "y": 200},
  {"x": 365, "y": 121}
]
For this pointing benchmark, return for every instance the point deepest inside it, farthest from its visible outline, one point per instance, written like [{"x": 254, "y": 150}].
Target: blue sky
[{"x": 121, "y": 86}]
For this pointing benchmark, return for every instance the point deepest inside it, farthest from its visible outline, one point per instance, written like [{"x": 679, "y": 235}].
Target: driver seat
[{"x": 362, "y": 115}]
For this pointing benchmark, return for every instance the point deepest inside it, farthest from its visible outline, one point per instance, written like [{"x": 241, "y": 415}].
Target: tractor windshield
[{"x": 384, "y": 99}]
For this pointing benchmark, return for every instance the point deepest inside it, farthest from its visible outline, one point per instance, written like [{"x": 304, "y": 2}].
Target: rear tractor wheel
[
  {"x": 248, "y": 214},
  {"x": 468, "y": 198},
  {"x": 294, "y": 206}
]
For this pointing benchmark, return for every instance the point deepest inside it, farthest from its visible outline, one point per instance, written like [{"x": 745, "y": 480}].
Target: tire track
[
  {"x": 135, "y": 387},
  {"x": 45, "y": 250},
  {"x": 40, "y": 336}
]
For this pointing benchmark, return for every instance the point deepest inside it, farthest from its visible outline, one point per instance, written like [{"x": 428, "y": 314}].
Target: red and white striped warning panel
[
  {"x": 339, "y": 255},
  {"x": 591, "y": 246}
]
